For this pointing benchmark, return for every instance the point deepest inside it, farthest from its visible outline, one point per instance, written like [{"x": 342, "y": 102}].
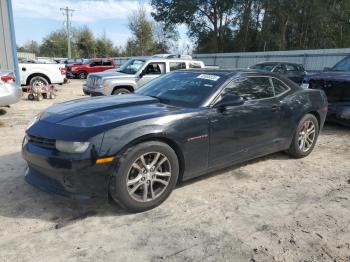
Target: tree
[
  {"x": 141, "y": 29},
  {"x": 55, "y": 44},
  {"x": 104, "y": 47},
  {"x": 85, "y": 42},
  {"x": 207, "y": 20}
]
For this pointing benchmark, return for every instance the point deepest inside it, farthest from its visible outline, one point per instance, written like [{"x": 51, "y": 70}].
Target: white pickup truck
[{"x": 40, "y": 74}]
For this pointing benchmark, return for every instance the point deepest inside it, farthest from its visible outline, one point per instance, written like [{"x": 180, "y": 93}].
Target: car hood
[
  {"x": 331, "y": 75},
  {"x": 111, "y": 74},
  {"x": 115, "y": 110}
]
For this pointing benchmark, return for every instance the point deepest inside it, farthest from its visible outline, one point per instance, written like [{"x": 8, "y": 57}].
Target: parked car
[
  {"x": 294, "y": 72},
  {"x": 82, "y": 70},
  {"x": 136, "y": 147},
  {"x": 38, "y": 74},
  {"x": 134, "y": 74},
  {"x": 335, "y": 82},
  {"x": 10, "y": 93}
]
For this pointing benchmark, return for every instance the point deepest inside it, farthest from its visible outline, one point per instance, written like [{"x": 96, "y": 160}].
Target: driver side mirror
[{"x": 229, "y": 100}]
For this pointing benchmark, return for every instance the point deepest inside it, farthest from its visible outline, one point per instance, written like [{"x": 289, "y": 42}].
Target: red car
[{"x": 90, "y": 66}]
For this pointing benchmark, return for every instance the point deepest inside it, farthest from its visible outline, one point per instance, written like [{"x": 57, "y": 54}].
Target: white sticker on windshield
[{"x": 209, "y": 77}]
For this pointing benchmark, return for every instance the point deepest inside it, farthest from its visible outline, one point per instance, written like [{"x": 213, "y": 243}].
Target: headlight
[
  {"x": 33, "y": 121},
  {"x": 71, "y": 147}
]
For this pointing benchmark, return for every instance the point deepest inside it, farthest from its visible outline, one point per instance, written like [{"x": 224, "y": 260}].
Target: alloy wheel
[
  {"x": 148, "y": 177},
  {"x": 307, "y": 135}
]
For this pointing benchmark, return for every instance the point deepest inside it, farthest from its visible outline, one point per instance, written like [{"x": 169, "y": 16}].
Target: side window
[
  {"x": 107, "y": 63},
  {"x": 251, "y": 88},
  {"x": 96, "y": 63},
  {"x": 279, "y": 69},
  {"x": 177, "y": 65},
  {"x": 155, "y": 69},
  {"x": 291, "y": 68},
  {"x": 194, "y": 65},
  {"x": 279, "y": 86}
]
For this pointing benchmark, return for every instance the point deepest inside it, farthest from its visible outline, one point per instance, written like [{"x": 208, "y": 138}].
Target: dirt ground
[{"x": 271, "y": 209}]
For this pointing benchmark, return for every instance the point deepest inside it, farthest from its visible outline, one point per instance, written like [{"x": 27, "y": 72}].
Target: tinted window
[
  {"x": 279, "y": 69},
  {"x": 343, "y": 65},
  {"x": 155, "y": 69},
  {"x": 177, "y": 65},
  {"x": 96, "y": 63},
  {"x": 263, "y": 67},
  {"x": 279, "y": 86},
  {"x": 107, "y": 63},
  {"x": 194, "y": 65},
  {"x": 251, "y": 88},
  {"x": 291, "y": 68},
  {"x": 185, "y": 89}
]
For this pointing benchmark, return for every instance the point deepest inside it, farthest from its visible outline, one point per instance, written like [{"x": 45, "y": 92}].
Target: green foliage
[{"x": 257, "y": 25}]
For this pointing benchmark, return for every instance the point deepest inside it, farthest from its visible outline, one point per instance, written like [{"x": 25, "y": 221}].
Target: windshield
[
  {"x": 131, "y": 67},
  {"x": 263, "y": 67},
  {"x": 185, "y": 89},
  {"x": 343, "y": 65}
]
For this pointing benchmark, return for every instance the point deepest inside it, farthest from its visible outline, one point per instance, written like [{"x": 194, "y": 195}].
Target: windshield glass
[
  {"x": 131, "y": 67},
  {"x": 343, "y": 65},
  {"x": 264, "y": 67},
  {"x": 185, "y": 89}
]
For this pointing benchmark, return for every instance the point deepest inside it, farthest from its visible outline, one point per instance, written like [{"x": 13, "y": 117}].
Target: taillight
[
  {"x": 8, "y": 79},
  {"x": 63, "y": 70}
]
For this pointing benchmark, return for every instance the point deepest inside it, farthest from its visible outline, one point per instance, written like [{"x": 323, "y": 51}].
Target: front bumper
[
  {"x": 89, "y": 92},
  {"x": 73, "y": 177}
]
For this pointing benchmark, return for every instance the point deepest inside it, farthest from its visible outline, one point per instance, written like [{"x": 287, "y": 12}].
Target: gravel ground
[{"x": 272, "y": 209}]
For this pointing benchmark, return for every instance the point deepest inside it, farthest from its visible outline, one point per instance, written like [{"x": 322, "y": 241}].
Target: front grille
[
  {"x": 41, "y": 141},
  {"x": 92, "y": 81}
]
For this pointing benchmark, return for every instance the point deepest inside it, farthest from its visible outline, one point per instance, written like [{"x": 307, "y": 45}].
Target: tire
[
  {"x": 82, "y": 75},
  {"x": 120, "y": 91},
  {"x": 126, "y": 173},
  {"x": 39, "y": 97},
  {"x": 38, "y": 81},
  {"x": 301, "y": 146},
  {"x": 31, "y": 97}
]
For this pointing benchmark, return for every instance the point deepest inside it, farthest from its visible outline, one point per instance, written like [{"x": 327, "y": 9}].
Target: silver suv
[{"x": 133, "y": 74}]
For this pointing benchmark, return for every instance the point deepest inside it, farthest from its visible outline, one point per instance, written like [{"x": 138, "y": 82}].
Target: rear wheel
[
  {"x": 146, "y": 175},
  {"x": 120, "y": 91},
  {"x": 38, "y": 82},
  {"x": 305, "y": 137}
]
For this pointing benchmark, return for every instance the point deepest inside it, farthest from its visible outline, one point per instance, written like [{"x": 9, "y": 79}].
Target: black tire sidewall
[
  {"x": 120, "y": 194},
  {"x": 82, "y": 75},
  {"x": 295, "y": 150}
]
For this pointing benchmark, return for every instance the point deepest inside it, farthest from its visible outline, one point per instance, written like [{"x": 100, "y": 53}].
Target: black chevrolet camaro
[{"x": 133, "y": 149}]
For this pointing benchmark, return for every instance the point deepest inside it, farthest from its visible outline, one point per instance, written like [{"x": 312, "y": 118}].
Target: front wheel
[
  {"x": 305, "y": 137},
  {"x": 146, "y": 175},
  {"x": 121, "y": 91},
  {"x": 82, "y": 75}
]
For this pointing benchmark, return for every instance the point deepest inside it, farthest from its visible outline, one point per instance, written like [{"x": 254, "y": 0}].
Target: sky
[{"x": 35, "y": 19}]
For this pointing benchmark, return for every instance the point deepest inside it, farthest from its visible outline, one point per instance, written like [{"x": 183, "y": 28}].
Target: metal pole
[{"x": 67, "y": 12}]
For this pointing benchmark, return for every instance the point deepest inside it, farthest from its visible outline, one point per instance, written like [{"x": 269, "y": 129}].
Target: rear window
[
  {"x": 194, "y": 65},
  {"x": 177, "y": 65},
  {"x": 279, "y": 86}
]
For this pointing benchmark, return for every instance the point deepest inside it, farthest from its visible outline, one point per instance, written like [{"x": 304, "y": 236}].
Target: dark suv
[{"x": 294, "y": 72}]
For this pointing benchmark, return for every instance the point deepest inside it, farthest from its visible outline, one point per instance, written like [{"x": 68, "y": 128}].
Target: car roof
[
  {"x": 157, "y": 59},
  {"x": 230, "y": 71},
  {"x": 276, "y": 63}
]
